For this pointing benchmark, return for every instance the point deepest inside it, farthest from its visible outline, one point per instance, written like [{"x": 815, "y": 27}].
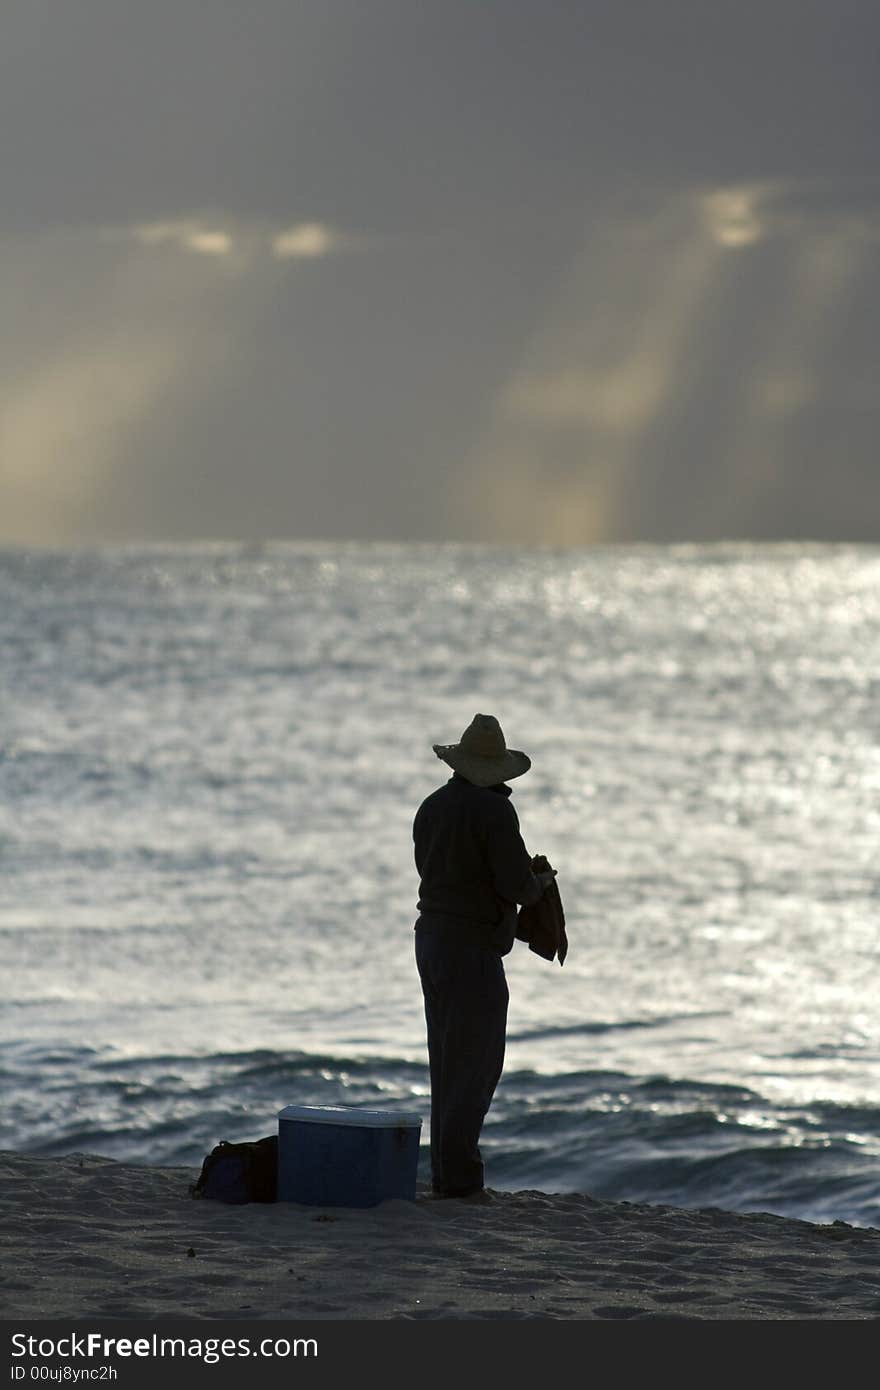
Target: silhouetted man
[{"x": 474, "y": 869}]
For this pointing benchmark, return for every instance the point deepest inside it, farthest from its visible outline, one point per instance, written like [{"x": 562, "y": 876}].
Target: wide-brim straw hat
[{"x": 481, "y": 754}]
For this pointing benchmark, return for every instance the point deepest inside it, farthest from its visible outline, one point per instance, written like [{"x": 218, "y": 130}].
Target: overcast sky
[{"x": 541, "y": 271}]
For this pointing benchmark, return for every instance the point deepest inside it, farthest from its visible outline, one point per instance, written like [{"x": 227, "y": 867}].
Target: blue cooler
[{"x": 344, "y": 1157}]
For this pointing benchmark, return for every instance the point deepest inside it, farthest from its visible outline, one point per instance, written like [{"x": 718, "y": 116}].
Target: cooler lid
[{"x": 349, "y": 1115}]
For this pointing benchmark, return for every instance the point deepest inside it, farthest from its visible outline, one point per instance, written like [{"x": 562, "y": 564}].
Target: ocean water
[{"x": 210, "y": 758}]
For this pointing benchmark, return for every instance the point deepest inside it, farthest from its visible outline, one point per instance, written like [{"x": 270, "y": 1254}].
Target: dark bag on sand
[
  {"x": 542, "y": 924},
  {"x": 239, "y": 1173}
]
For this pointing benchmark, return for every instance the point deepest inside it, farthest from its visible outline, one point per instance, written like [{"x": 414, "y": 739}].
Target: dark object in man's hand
[{"x": 542, "y": 924}]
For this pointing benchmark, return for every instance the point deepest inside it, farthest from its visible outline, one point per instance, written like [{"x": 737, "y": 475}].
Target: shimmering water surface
[{"x": 210, "y": 761}]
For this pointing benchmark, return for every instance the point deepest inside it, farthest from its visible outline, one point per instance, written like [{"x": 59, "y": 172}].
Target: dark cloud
[
  {"x": 560, "y": 271},
  {"x": 420, "y": 115}
]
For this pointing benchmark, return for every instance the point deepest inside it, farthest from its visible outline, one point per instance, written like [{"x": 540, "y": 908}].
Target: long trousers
[{"x": 466, "y": 995}]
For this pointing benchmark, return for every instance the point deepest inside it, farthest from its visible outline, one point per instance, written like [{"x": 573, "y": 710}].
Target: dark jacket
[{"x": 472, "y": 863}]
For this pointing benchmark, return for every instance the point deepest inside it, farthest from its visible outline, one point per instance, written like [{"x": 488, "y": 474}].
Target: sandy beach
[{"x": 85, "y": 1236}]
